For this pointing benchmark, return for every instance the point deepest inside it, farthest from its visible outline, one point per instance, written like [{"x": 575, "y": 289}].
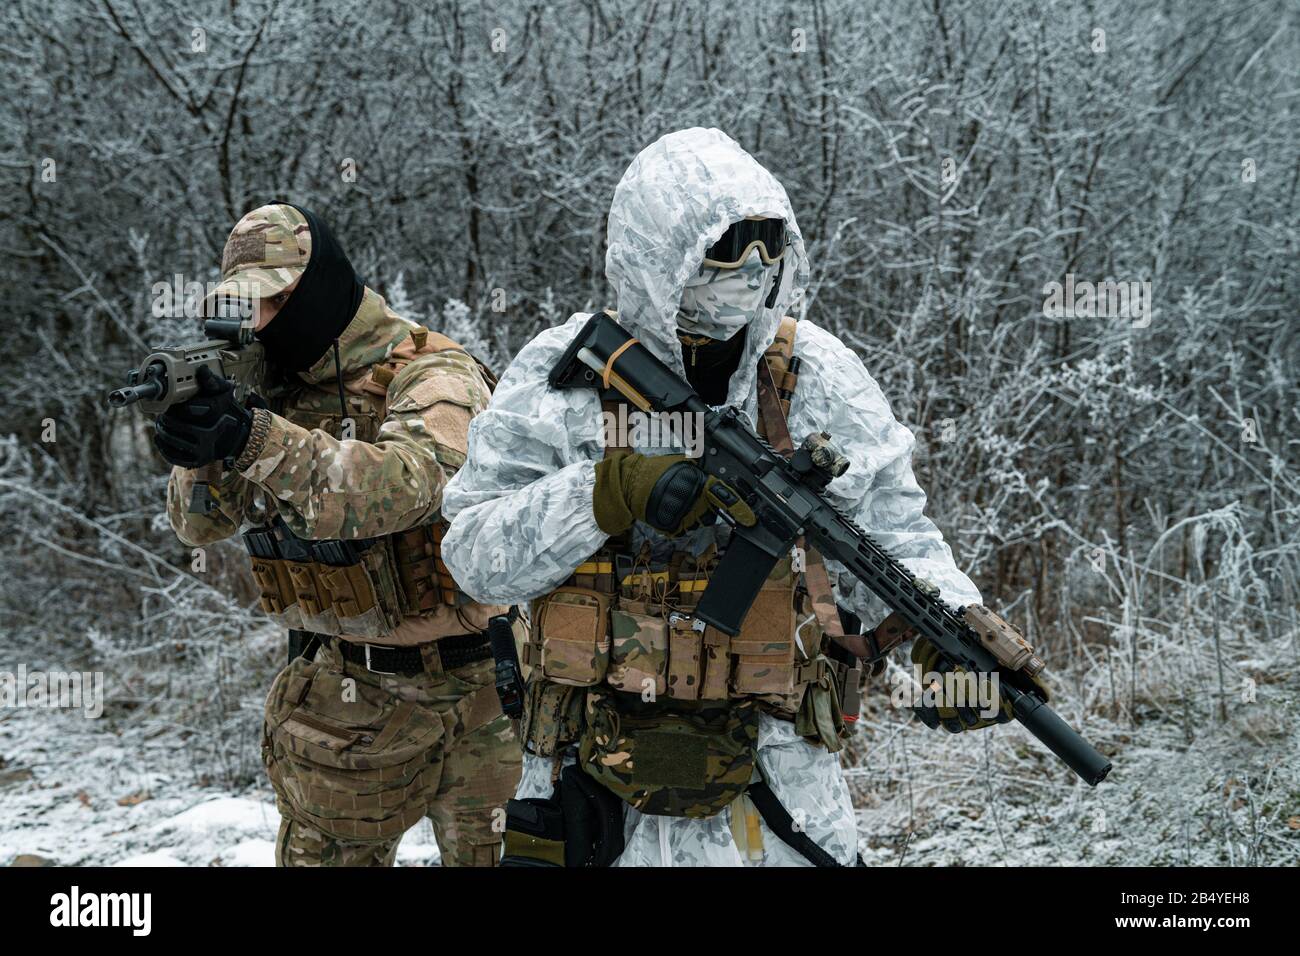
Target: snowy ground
[
  {"x": 1230, "y": 797},
  {"x": 75, "y": 791}
]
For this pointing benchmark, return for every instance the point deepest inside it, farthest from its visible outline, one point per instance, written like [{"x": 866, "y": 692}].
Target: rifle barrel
[{"x": 149, "y": 389}]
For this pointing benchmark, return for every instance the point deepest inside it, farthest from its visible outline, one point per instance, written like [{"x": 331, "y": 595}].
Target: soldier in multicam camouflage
[
  {"x": 337, "y": 489},
  {"x": 705, "y": 256}
]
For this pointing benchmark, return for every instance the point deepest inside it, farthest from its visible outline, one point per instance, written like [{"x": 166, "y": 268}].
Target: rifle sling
[
  {"x": 777, "y": 432},
  {"x": 780, "y": 822}
]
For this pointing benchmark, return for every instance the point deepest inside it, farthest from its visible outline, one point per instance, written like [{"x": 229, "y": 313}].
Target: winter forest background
[{"x": 1127, "y": 492}]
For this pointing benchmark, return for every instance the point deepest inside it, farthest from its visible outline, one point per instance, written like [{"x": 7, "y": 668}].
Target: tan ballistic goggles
[{"x": 741, "y": 238}]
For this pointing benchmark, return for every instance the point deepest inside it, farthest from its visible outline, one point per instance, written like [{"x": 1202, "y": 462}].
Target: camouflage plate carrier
[{"x": 355, "y": 588}]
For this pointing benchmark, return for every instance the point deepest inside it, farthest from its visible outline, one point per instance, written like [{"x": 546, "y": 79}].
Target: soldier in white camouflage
[
  {"x": 685, "y": 725},
  {"x": 336, "y": 486}
]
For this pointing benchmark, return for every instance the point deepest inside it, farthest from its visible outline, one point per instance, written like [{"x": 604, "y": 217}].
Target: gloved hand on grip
[
  {"x": 963, "y": 713},
  {"x": 211, "y": 426},
  {"x": 667, "y": 492}
]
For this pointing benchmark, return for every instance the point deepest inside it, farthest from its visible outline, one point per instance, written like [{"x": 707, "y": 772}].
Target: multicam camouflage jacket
[{"x": 409, "y": 409}]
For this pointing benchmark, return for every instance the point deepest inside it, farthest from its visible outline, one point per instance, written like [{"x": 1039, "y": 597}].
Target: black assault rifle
[{"x": 786, "y": 496}]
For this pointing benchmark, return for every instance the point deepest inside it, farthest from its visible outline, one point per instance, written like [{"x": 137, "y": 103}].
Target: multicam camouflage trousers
[{"x": 357, "y": 759}]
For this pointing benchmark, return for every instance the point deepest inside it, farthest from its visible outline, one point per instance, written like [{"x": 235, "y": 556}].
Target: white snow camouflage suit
[{"x": 521, "y": 507}]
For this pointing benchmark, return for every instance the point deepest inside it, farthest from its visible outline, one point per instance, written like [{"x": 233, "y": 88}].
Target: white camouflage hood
[
  {"x": 676, "y": 199},
  {"x": 521, "y": 508}
]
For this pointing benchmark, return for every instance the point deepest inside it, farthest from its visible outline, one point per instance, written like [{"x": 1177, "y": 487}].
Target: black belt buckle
[{"x": 370, "y": 667}]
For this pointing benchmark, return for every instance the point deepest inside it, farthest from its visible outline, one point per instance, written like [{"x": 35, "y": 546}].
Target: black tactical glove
[
  {"x": 973, "y": 714},
  {"x": 667, "y": 492},
  {"x": 211, "y": 426}
]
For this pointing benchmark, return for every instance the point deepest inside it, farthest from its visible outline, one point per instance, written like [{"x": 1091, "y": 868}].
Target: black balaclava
[
  {"x": 320, "y": 308},
  {"x": 710, "y": 365}
]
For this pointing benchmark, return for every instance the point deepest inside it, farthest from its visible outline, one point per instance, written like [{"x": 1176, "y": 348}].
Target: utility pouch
[
  {"x": 356, "y": 763},
  {"x": 848, "y": 687},
  {"x": 276, "y": 594},
  {"x": 350, "y": 589},
  {"x": 363, "y": 594},
  {"x": 426, "y": 583},
  {"x": 552, "y": 716},
  {"x": 573, "y": 624},
  {"x": 638, "y": 656},
  {"x": 685, "y": 658},
  {"x": 313, "y": 598},
  {"x": 764, "y": 650},
  {"x": 716, "y": 652},
  {"x": 688, "y": 761},
  {"x": 820, "y": 719}
]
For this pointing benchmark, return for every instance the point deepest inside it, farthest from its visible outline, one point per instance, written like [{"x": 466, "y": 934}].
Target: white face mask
[{"x": 718, "y": 303}]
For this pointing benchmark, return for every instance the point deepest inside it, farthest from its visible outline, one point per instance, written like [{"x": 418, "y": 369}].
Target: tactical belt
[
  {"x": 462, "y": 650},
  {"x": 454, "y": 652}
]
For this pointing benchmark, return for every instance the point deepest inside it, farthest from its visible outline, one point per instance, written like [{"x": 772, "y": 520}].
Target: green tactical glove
[
  {"x": 667, "y": 492},
  {"x": 946, "y": 714}
]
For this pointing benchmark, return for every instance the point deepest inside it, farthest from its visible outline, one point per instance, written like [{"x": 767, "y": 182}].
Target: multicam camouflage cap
[{"x": 267, "y": 250}]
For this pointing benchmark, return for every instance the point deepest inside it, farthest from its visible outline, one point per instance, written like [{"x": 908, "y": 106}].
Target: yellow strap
[
  {"x": 607, "y": 567},
  {"x": 609, "y": 365},
  {"x": 638, "y": 576}
]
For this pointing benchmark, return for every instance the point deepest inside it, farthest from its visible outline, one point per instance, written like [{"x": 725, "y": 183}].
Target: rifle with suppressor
[
  {"x": 787, "y": 499},
  {"x": 169, "y": 377}
]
